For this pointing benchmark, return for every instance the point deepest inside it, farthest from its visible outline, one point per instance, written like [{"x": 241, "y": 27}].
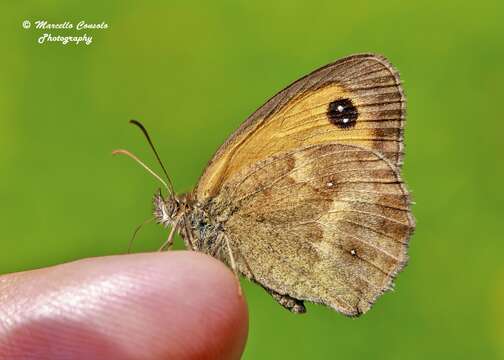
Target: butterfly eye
[{"x": 342, "y": 113}]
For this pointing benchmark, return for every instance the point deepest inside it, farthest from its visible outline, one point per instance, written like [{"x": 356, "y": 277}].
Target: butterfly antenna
[
  {"x": 141, "y": 127},
  {"x": 127, "y": 153},
  {"x": 136, "y": 232}
]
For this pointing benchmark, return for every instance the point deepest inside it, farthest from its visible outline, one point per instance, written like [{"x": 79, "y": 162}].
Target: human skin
[{"x": 170, "y": 305}]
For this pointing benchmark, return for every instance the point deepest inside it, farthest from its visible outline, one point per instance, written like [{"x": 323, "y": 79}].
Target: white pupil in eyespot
[
  {"x": 345, "y": 120},
  {"x": 340, "y": 108}
]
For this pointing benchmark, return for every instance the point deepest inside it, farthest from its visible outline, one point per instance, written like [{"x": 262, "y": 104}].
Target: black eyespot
[{"x": 342, "y": 113}]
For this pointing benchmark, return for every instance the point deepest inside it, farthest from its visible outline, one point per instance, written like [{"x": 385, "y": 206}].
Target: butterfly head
[{"x": 166, "y": 210}]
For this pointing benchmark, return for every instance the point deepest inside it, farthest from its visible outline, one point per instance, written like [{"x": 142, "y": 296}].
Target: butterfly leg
[
  {"x": 136, "y": 232},
  {"x": 169, "y": 242},
  {"x": 188, "y": 235},
  {"x": 233, "y": 263},
  {"x": 291, "y": 304}
]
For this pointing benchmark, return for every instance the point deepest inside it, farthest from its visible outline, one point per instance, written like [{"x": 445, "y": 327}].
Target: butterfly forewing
[{"x": 356, "y": 100}]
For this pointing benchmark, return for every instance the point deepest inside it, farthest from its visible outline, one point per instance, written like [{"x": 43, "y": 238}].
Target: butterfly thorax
[{"x": 201, "y": 226}]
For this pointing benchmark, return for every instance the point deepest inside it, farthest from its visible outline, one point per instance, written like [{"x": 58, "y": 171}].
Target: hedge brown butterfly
[{"x": 306, "y": 197}]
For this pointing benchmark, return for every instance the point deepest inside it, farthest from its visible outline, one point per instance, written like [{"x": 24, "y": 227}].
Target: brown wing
[
  {"x": 325, "y": 223},
  {"x": 356, "y": 100}
]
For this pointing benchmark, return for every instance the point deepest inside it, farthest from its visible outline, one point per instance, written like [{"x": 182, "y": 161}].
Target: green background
[{"x": 192, "y": 71}]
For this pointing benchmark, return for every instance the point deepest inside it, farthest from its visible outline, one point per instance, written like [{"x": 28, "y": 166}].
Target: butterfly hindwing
[{"x": 324, "y": 223}]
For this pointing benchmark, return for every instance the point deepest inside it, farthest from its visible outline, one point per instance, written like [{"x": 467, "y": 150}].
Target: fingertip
[
  {"x": 181, "y": 304},
  {"x": 209, "y": 312}
]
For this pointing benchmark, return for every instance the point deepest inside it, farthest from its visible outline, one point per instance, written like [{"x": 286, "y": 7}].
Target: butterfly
[{"x": 306, "y": 197}]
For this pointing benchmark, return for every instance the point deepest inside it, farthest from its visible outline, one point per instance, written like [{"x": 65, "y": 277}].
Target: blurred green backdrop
[{"x": 192, "y": 71}]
